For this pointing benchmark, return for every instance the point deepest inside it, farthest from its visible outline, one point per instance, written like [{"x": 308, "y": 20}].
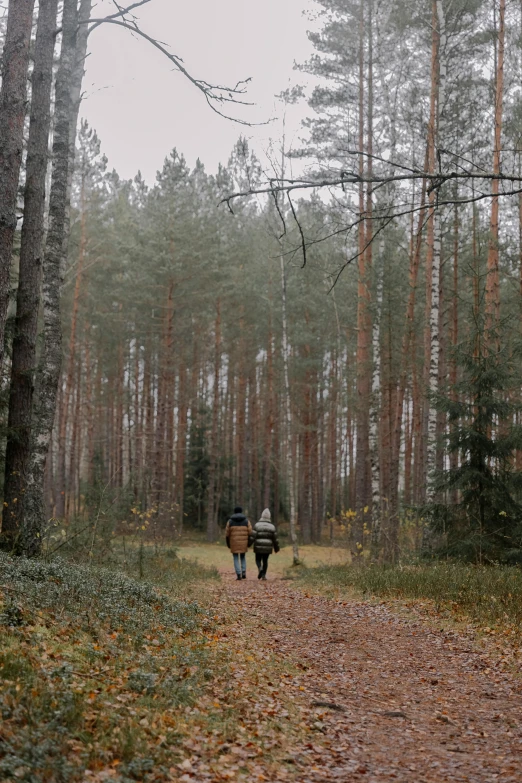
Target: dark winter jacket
[
  {"x": 265, "y": 536},
  {"x": 238, "y": 533}
]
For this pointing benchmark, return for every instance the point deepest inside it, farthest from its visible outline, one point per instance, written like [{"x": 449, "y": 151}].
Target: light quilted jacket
[{"x": 265, "y": 535}]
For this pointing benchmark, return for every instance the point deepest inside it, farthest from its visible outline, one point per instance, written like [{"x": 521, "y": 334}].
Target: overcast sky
[{"x": 141, "y": 108}]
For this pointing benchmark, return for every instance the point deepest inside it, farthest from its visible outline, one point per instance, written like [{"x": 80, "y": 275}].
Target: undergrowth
[
  {"x": 488, "y": 595},
  {"x": 97, "y": 669}
]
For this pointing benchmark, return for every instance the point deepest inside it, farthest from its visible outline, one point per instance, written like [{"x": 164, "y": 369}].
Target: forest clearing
[{"x": 260, "y": 391}]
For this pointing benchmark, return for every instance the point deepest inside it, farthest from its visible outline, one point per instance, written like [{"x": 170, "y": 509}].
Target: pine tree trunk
[
  {"x": 160, "y": 469},
  {"x": 89, "y": 407},
  {"x": 453, "y": 457},
  {"x": 137, "y": 415},
  {"x": 148, "y": 395},
  {"x": 315, "y": 477},
  {"x": 332, "y": 450},
  {"x": 492, "y": 298},
  {"x": 181, "y": 443},
  {"x": 68, "y": 383},
  {"x": 13, "y": 94},
  {"x": 241, "y": 416},
  {"x": 119, "y": 478},
  {"x": 212, "y": 530},
  {"x": 73, "y": 486},
  {"x": 305, "y": 474},
  {"x": 23, "y": 365}
]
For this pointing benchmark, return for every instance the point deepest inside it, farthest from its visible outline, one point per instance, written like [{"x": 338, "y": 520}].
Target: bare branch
[
  {"x": 351, "y": 178},
  {"x": 303, "y": 241},
  {"x": 216, "y": 95},
  {"x": 281, "y": 215},
  {"x": 122, "y": 12}
]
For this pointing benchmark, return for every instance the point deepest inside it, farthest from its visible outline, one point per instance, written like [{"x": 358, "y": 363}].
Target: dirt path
[{"x": 407, "y": 702}]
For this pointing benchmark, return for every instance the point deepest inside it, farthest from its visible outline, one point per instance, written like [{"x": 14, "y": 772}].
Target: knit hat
[
  {"x": 266, "y": 515},
  {"x": 238, "y": 510}
]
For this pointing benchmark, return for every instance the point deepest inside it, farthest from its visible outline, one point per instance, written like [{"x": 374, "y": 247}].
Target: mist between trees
[{"x": 296, "y": 353}]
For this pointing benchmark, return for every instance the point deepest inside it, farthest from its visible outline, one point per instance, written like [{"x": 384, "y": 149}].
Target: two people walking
[{"x": 240, "y": 536}]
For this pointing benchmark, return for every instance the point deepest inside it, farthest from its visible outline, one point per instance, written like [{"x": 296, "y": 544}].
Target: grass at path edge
[{"x": 489, "y": 596}]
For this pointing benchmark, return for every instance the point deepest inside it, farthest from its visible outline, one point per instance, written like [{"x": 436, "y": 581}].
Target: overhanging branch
[{"x": 216, "y": 95}]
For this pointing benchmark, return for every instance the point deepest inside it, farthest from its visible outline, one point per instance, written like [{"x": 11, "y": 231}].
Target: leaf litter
[
  {"x": 272, "y": 684},
  {"x": 380, "y": 695}
]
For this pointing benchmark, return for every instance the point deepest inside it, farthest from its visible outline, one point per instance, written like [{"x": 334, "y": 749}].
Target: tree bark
[
  {"x": 362, "y": 490},
  {"x": 435, "y": 250},
  {"x": 67, "y": 105},
  {"x": 291, "y": 466},
  {"x": 492, "y": 298},
  {"x": 269, "y": 418},
  {"x": 375, "y": 409},
  {"x": 406, "y": 354},
  {"x": 68, "y": 386},
  {"x": 13, "y": 95},
  {"x": 23, "y": 365},
  {"x": 454, "y": 458},
  {"x": 212, "y": 530}
]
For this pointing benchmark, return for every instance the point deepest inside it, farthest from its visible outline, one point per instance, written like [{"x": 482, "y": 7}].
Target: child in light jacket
[{"x": 265, "y": 542}]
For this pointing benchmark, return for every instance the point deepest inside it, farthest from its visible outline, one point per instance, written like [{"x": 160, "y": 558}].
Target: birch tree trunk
[
  {"x": 67, "y": 105},
  {"x": 431, "y": 334},
  {"x": 268, "y": 450},
  {"x": 407, "y": 352},
  {"x": 18, "y": 449},
  {"x": 436, "y": 265},
  {"x": 362, "y": 500},
  {"x": 290, "y": 463},
  {"x": 13, "y": 94},
  {"x": 375, "y": 408}
]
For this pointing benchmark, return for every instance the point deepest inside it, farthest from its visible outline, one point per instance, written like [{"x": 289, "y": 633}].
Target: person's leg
[
  {"x": 265, "y": 566},
  {"x": 259, "y": 564},
  {"x": 237, "y": 567},
  {"x": 243, "y": 564}
]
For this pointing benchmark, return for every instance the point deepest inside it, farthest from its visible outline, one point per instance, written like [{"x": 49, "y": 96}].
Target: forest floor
[
  {"x": 106, "y": 678},
  {"x": 379, "y": 692}
]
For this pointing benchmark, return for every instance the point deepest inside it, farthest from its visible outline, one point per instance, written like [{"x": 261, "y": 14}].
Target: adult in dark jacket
[
  {"x": 265, "y": 542},
  {"x": 239, "y": 534}
]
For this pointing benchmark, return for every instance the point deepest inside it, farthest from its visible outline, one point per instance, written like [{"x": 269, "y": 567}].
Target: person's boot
[
  {"x": 264, "y": 577},
  {"x": 260, "y": 575},
  {"x": 244, "y": 576},
  {"x": 238, "y": 579}
]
